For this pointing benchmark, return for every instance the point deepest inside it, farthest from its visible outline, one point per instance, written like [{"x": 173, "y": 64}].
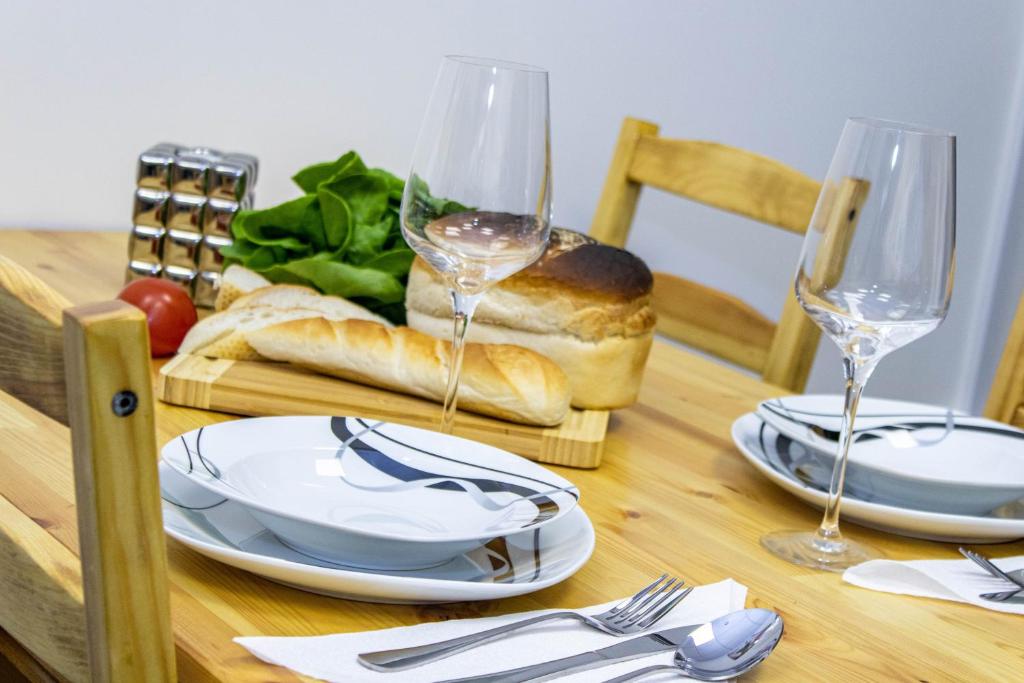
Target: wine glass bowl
[
  {"x": 875, "y": 273},
  {"x": 477, "y": 204},
  {"x": 474, "y": 249}
]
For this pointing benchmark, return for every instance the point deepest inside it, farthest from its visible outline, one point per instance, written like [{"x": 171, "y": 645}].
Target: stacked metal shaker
[{"x": 185, "y": 199}]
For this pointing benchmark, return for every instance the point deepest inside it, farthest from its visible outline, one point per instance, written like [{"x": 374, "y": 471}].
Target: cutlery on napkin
[
  {"x": 333, "y": 657},
  {"x": 958, "y": 580}
]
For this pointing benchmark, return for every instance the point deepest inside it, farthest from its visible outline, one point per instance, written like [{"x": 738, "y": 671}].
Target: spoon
[{"x": 721, "y": 649}]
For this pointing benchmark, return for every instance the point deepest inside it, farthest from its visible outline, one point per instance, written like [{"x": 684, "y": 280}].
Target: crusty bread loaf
[
  {"x": 236, "y": 281},
  {"x": 224, "y": 334},
  {"x": 297, "y": 296},
  {"x": 584, "y": 304},
  {"x": 504, "y": 381}
]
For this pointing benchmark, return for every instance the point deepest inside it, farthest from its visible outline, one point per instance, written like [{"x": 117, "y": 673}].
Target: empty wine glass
[
  {"x": 477, "y": 205},
  {"x": 876, "y": 273}
]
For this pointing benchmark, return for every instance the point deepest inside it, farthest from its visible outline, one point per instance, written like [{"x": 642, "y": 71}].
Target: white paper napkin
[
  {"x": 959, "y": 580},
  {"x": 333, "y": 658}
]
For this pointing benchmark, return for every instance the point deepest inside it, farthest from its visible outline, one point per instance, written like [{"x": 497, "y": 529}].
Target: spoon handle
[{"x": 640, "y": 673}]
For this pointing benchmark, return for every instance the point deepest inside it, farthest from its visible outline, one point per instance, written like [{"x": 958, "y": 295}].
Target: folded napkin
[
  {"x": 333, "y": 658},
  {"x": 959, "y": 580}
]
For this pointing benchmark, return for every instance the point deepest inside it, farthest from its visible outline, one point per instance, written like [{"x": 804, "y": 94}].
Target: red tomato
[{"x": 169, "y": 312}]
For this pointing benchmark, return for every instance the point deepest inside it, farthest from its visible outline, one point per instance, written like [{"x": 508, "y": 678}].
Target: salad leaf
[{"x": 342, "y": 237}]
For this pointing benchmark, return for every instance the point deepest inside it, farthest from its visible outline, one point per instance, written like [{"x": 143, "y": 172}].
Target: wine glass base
[{"x": 809, "y": 549}]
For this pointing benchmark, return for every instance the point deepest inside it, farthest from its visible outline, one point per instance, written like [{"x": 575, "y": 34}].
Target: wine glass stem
[
  {"x": 857, "y": 372},
  {"x": 464, "y": 305}
]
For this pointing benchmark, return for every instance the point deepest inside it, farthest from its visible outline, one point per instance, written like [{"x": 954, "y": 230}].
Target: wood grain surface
[
  {"x": 117, "y": 493},
  {"x": 262, "y": 388},
  {"x": 1006, "y": 399},
  {"x": 672, "y": 494},
  {"x": 31, "y": 365}
]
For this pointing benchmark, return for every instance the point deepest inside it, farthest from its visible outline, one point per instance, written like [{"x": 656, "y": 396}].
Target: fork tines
[{"x": 649, "y": 605}]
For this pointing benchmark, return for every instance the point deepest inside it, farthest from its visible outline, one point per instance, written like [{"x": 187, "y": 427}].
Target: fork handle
[{"x": 410, "y": 657}]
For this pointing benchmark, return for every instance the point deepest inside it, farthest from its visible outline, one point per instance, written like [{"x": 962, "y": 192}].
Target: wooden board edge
[{"x": 210, "y": 384}]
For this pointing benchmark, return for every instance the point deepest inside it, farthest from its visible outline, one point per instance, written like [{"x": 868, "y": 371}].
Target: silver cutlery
[
  {"x": 1003, "y": 596},
  {"x": 732, "y": 646},
  {"x": 663, "y": 641},
  {"x": 631, "y": 616},
  {"x": 1015, "y": 577}
]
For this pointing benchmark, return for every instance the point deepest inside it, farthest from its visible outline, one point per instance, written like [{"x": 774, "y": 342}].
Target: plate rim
[
  {"x": 372, "y": 582},
  {"x": 896, "y": 474},
  {"x": 990, "y": 527},
  {"x": 572, "y": 490}
]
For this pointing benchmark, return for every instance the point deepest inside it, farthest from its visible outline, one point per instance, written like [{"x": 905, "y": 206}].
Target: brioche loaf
[
  {"x": 504, "y": 381},
  {"x": 584, "y": 304}
]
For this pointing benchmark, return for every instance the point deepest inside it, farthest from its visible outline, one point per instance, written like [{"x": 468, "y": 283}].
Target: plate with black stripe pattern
[
  {"x": 786, "y": 464},
  {"x": 370, "y": 494},
  {"x": 521, "y": 563}
]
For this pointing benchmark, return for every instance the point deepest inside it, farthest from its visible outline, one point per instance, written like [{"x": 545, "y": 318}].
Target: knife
[{"x": 663, "y": 641}]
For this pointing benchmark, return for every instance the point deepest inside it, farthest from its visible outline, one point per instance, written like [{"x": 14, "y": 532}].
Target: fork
[
  {"x": 630, "y": 616},
  {"x": 995, "y": 571}
]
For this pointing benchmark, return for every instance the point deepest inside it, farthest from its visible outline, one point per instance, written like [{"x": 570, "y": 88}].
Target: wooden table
[{"x": 672, "y": 494}]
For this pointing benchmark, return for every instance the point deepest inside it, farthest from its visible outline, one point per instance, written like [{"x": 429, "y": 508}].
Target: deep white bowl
[
  {"x": 369, "y": 494},
  {"x": 970, "y": 469}
]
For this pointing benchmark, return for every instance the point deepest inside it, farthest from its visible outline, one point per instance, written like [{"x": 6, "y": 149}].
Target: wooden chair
[
  {"x": 740, "y": 182},
  {"x": 104, "y": 617},
  {"x": 1006, "y": 399}
]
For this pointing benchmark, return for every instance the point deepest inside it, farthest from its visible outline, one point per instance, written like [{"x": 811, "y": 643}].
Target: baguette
[
  {"x": 236, "y": 281},
  {"x": 297, "y": 296},
  {"x": 223, "y": 334},
  {"x": 504, "y": 381}
]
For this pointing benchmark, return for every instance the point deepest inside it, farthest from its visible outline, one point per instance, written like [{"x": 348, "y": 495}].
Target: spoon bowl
[{"x": 721, "y": 649}]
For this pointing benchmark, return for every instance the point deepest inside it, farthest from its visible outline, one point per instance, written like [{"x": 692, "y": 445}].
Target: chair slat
[
  {"x": 712, "y": 321},
  {"x": 41, "y": 594},
  {"x": 124, "y": 558},
  {"x": 727, "y": 178},
  {"x": 1006, "y": 398},
  {"x": 31, "y": 348}
]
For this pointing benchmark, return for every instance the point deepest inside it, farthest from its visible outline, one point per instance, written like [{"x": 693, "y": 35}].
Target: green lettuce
[{"x": 342, "y": 237}]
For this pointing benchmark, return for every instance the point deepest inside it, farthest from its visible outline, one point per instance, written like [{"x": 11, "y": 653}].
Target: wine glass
[
  {"x": 876, "y": 273},
  {"x": 477, "y": 205}
]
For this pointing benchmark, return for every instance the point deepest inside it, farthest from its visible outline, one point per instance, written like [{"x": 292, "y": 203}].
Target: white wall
[{"x": 86, "y": 86}]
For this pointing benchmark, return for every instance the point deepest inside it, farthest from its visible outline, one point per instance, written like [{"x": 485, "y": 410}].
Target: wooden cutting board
[{"x": 265, "y": 388}]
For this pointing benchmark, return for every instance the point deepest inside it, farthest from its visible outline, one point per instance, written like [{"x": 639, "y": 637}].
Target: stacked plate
[
  {"x": 914, "y": 469},
  {"x": 369, "y": 510}
]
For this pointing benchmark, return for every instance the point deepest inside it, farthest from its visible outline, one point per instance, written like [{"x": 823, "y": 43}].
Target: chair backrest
[
  {"x": 1006, "y": 399},
  {"x": 740, "y": 182},
  {"x": 104, "y": 617}
]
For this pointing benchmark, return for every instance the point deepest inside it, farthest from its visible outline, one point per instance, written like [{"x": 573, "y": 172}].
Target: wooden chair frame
[
  {"x": 1006, "y": 398},
  {"x": 106, "y": 616},
  {"x": 740, "y": 182}
]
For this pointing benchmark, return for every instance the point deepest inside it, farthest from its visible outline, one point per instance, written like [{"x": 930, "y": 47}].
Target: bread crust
[
  {"x": 585, "y": 305},
  {"x": 578, "y": 287},
  {"x": 505, "y": 381},
  {"x": 602, "y": 375}
]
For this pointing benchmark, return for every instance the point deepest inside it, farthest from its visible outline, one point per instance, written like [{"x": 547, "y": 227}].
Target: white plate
[
  {"x": 368, "y": 493},
  {"x": 752, "y": 436},
  {"x": 513, "y": 565},
  {"x": 915, "y": 455}
]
